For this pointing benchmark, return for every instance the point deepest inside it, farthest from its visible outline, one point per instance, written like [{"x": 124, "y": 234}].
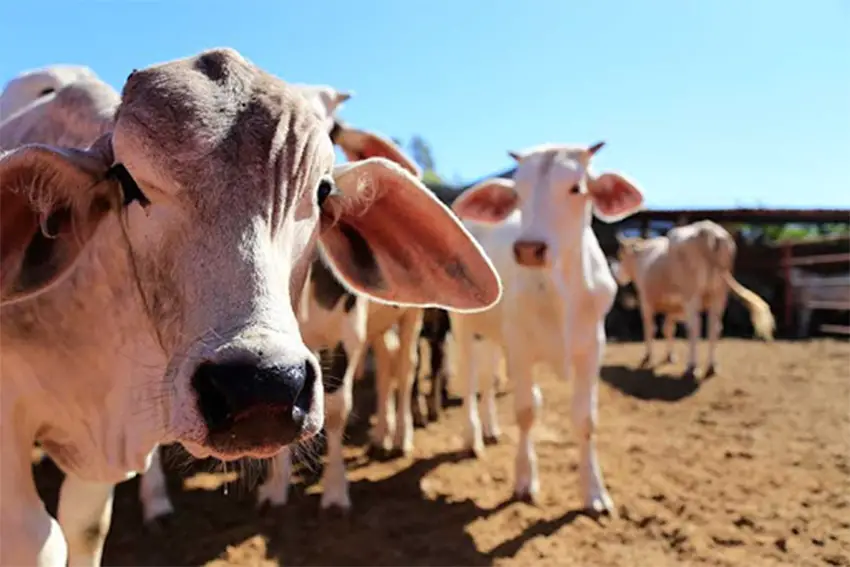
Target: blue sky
[{"x": 712, "y": 103}]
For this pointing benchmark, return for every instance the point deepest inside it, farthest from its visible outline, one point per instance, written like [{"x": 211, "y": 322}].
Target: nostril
[
  {"x": 304, "y": 398},
  {"x": 212, "y": 394},
  {"x": 540, "y": 251}
]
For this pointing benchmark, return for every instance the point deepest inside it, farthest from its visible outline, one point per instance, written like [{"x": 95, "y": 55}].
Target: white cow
[
  {"x": 148, "y": 283},
  {"x": 558, "y": 289},
  {"x": 682, "y": 274}
]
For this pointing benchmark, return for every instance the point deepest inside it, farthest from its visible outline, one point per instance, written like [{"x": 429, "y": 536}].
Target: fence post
[{"x": 789, "y": 291}]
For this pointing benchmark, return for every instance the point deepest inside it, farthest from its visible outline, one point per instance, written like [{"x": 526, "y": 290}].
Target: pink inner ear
[
  {"x": 419, "y": 254},
  {"x": 490, "y": 204},
  {"x": 614, "y": 196}
]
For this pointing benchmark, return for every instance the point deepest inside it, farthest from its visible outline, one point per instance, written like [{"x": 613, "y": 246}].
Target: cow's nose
[
  {"x": 251, "y": 407},
  {"x": 531, "y": 253}
]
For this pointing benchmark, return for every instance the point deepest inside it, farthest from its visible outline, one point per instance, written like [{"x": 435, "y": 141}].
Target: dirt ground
[{"x": 748, "y": 468}]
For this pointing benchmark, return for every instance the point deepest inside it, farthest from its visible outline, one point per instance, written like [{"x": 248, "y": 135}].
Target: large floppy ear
[
  {"x": 387, "y": 237},
  {"x": 359, "y": 145},
  {"x": 615, "y": 197},
  {"x": 51, "y": 203},
  {"x": 490, "y": 201}
]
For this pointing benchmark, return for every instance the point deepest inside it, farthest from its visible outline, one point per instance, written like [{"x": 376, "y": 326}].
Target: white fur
[{"x": 550, "y": 315}]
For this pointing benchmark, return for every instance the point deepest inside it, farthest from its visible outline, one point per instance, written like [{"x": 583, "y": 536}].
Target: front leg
[
  {"x": 463, "y": 350},
  {"x": 153, "y": 490},
  {"x": 337, "y": 408},
  {"x": 385, "y": 419},
  {"x": 85, "y": 512},
  {"x": 275, "y": 490},
  {"x": 648, "y": 317},
  {"x": 527, "y": 402},
  {"x": 693, "y": 323},
  {"x": 586, "y": 363},
  {"x": 410, "y": 327},
  {"x": 30, "y": 536},
  {"x": 669, "y": 333}
]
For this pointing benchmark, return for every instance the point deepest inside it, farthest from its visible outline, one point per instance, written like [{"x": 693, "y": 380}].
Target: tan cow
[
  {"x": 149, "y": 282},
  {"x": 682, "y": 274}
]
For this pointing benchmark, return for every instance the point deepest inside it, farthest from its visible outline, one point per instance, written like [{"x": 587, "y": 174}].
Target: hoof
[
  {"x": 690, "y": 373},
  {"x": 670, "y": 359},
  {"x": 335, "y": 510},
  {"x": 525, "y": 496},
  {"x": 377, "y": 452},
  {"x": 419, "y": 422},
  {"x": 711, "y": 371},
  {"x": 491, "y": 439},
  {"x": 601, "y": 508},
  {"x": 473, "y": 452},
  {"x": 644, "y": 362}
]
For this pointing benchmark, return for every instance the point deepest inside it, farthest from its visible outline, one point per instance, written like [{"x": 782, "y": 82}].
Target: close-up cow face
[{"x": 234, "y": 186}]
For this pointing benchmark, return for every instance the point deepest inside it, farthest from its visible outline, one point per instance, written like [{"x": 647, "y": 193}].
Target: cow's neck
[{"x": 93, "y": 365}]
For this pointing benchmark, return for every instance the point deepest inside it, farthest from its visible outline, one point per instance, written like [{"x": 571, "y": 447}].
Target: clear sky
[{"x": 706, "y": 103}]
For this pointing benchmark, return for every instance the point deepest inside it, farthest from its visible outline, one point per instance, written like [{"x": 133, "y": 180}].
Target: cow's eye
[
  {"x": 575, "y": 189},
  {"x": 46, "y": 91},
  {"x": 324, "y": 190}
]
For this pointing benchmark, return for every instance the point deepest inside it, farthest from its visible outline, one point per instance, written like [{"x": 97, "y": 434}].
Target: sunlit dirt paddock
[{"x": 751, "y": 467}]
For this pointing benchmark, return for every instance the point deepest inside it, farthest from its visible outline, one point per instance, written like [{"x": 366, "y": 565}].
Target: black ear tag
[{"x": 129, "y": 187}]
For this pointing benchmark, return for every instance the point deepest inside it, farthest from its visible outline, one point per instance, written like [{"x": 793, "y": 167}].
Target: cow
[
  {"x": 682, "y": 274},
  {"x": 557, "y": 290},
  {"x": 157, "y": 272}
]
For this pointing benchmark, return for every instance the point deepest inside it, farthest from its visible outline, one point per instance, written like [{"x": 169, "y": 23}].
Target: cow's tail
[{"x": 760, "y": 315}]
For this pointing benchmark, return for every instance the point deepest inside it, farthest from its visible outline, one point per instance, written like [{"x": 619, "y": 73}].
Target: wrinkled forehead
[
  {"x": 217, "y": 110},
  {"x": 556, "y": 165}
]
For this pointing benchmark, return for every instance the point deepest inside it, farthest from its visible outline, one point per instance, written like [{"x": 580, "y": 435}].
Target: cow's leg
[
  {"x": 669, "y": 332},
  {"x": 409, "y": 329},
  {"x": 85, "y": 511},
  {"x": 693, "y": 323},
  {"x": 153, "y": 491},
  {"x": 487, "y": 351},
  {"x": 527, "y": 402},
  {"x": 464, "y": 350},
  {"x": 648, "y": 317},
  {"x": 275, "y": 490},
  {"x": 419, "y": 373},
  {"x": 715, "y": 327},
  {"x": 436, "y": 400},
  {"x": 385, "y": 420},
  {"x": 584, "y": 416},
  {"x": 337, "y": 408},
  {"x": 30, "y": 536}
]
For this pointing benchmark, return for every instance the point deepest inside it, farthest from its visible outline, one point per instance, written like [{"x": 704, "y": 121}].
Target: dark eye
[
  {"x": 575, "y": 189},
  {"x": 46, "y": 91},
  {"x": 326, "y": 187}
]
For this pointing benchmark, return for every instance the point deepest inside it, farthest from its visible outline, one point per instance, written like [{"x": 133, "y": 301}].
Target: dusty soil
[{"x": 748, "y": 468}]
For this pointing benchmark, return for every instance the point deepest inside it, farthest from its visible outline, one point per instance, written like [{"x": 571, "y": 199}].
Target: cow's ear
[
  {"x": 615, "y": 197},
  {"x": 51, "y": 202},
  {"x": 490, "y": 201},
  {"x": 387, "y": 236},
  {"x": 360, "y": 145}
]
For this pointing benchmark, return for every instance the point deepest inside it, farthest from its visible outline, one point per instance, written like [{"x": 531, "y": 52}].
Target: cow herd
[{"x": 179, "y": 259}]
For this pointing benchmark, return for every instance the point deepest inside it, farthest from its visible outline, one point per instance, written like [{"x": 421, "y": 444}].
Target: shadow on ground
[{"x": 648, "y": 384}]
